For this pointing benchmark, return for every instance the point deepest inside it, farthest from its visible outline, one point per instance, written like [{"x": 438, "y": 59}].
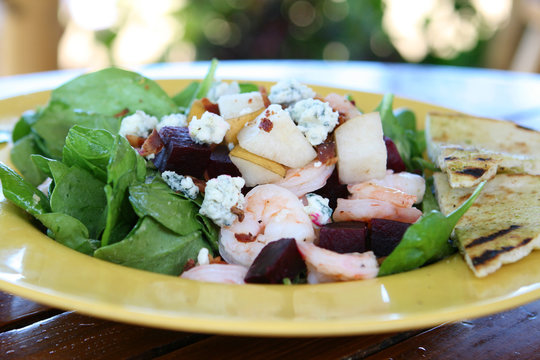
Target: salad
[{"x": 229, "y": 182}]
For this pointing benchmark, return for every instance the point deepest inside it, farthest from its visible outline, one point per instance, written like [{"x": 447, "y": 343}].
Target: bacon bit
[
  {"x": 122, "y": 113},
  {"x": 245, "y": 238},
  {"x": 201, "y": 184},
  {"x": 216, "y": 260},
  {"x": 250, "y": 100},
  {"x": 152, "y": 144},
  {"x": 342, "y": 118},
  {"x": 238, "y": 212},
  {"x": 266, "y": 124},
  {"x": 326, "y": 152},
  {"x": 210, "y": 106},
  {"x": 190, "y": 264},
  {"x": 135, "y": 141},
  {"x": 264, "y": 94}
]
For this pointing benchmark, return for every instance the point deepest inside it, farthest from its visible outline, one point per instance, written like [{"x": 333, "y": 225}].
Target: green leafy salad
[{"x": 89, "y": 188}]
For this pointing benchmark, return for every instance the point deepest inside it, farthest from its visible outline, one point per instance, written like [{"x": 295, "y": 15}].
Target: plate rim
[{"x": 265, "y": 327}]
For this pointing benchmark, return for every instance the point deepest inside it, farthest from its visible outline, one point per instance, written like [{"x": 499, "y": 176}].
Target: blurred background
[{"x": 39, "y": 35}]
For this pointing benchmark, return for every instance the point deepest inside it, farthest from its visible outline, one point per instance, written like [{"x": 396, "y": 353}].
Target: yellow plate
[{"x": 36, "y": 267}]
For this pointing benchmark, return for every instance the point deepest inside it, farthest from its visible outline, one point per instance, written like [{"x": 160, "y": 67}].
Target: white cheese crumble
[
  {"x": 179, "y": 120},
  {"x": 209, "y": 129},
  {"x": 139, "y": 124},
  {"x": 221, "y": 88},
  {"x": 314, "y": 118},
  {"x": 231, "y": 106},
  {"x": 181, "y": 183},
  {"x": 202, "y": 257},
  {"x": 289, "y": 91},
  {"x": 317, "y": 209},
  {"x": 220, "y": 196}
]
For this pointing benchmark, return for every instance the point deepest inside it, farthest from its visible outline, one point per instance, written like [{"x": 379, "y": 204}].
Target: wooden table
[{"x": 30, "y": 330}]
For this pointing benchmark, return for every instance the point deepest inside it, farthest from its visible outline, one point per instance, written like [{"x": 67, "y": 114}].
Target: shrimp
[
  {"x": 342, "y": 105},
  {"x": 307, "y": 179},
  {"x": 270, "y": 213},
  {"x": 411, "y": 184},
  {"x": 328, "y": 266},
  {"x": 218, "y": 273},
  {"x": 371, "y": 190},
  {"x": 366, "y": 209}
]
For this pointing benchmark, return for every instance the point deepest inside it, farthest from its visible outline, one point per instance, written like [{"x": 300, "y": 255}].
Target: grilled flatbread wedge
[
  {"x": 501, "y": 227},
  {"x": 471, "y": 149}
]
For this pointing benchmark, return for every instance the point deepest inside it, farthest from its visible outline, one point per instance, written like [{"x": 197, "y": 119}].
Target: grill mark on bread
[
  {"x": 491, "y": 254},
  {"x": 474, "y": 172},
  {"x": 490, "y": 237}
]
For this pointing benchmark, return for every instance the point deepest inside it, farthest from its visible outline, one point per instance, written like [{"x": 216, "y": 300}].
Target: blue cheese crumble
[
  {"x": 317, "y": 209},
  {"x": 139, "y": 124},
  {"x": 221, "y": 195},
  {"x": 172, "y": 120},
  {"x": 209, "y": 129},
  {"x": 289, "y": 91},
  {"x": 181, "y": 183},
  {"x": 221, "y": 88},
  {"x": 314, "y": 118}
]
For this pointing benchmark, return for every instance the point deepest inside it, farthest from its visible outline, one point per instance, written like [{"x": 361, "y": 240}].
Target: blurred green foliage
[
  {"x": 299, "y": 29},
  {"x": 268, "y": 29}
]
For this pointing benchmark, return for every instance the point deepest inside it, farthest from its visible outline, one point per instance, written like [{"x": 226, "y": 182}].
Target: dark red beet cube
[
  {"x": 385, "y": 235},
  {"x": 277, "y": 261},
  {"x": 220, "y": 163},
  {"x": 393, "y": 159},
  {"x": 333, "y": 190},
  {"x": 181, "y": 154},
  {"x": 344, "y": 237}
]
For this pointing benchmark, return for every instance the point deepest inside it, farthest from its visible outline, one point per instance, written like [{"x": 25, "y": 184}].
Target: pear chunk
[
  {"x": 273, "y": 135},
  {"x": 360, "y": 149},
  {"x": 254, "y": 174},
  {"x": 237, "y": 123},
  {"x": 273, "y": 166}
]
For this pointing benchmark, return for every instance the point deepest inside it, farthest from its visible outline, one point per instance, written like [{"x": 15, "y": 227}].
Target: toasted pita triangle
[
  {"x": 502, "y": 226},
  {"x": 471, "y": 149}
]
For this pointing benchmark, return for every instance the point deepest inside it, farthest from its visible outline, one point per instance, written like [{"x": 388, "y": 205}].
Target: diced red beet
[
  {"x": 385, "y": 235},
  {"x": 220, "y": 163},
  {"x": 393, "y": 159},
  {"x": 333, "y": 190},
  {"x": 277, "y": 261},
  {"x": 181, "y": 154},
  {"x": 344, "y": 237}
]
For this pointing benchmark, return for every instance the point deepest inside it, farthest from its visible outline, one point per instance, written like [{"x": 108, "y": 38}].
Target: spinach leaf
[
  {"x": 80, "y": 195},
  {"x": 22, "y": 193},
  {"x": 248, "y": 87},
  {"x": 183, "y": 98},
  {"x": 69, "y": 231},
  {"x": 208, "y": 81},
  {"x": 426, "y": 240},
  {"x": 53, "y": 125},
  {"x": 42, "y": 163},
  {"x": 166, "y": 207},
  {"x": 126, "y": 167},
  {"x": 20, "y": 155},
  {"x": 429, "y": 203},
  {"x": 210, "y": 232},
  {"x": 401, "y": 128},
  {"x": 153, "y": 247},
  {"x": 110, "y": 91},
  {"x": 24, "y": 125},
  {"x": 89, "y": 149}
]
